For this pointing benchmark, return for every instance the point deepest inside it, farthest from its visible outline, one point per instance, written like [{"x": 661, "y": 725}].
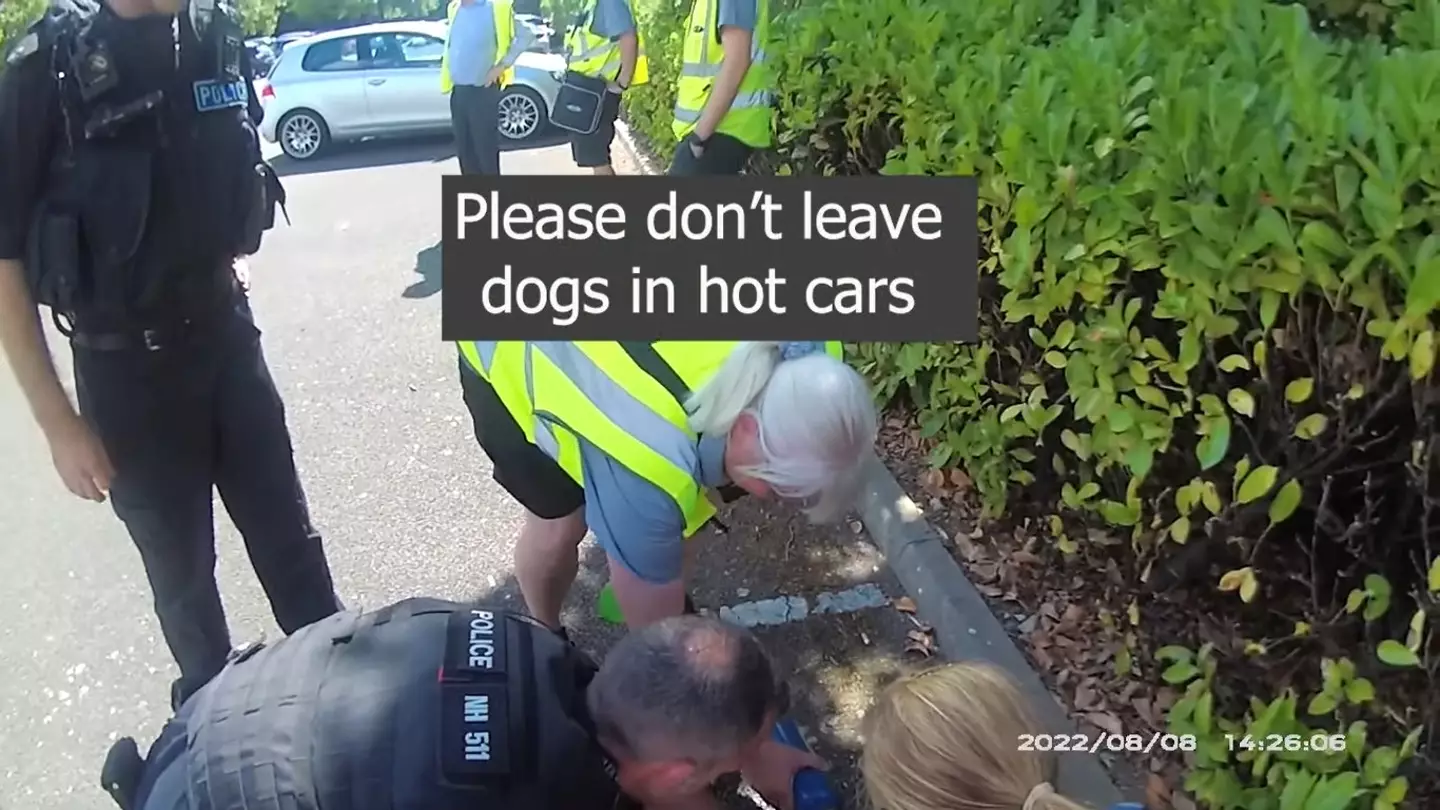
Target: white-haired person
[{"x": 629, "y": 439}]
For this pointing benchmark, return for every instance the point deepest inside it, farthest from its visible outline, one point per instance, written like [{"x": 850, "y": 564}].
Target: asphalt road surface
[{"x": 348, "y": 297}]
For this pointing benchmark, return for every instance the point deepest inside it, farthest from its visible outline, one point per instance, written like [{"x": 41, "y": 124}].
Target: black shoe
[{"x": 120, "y": 775}]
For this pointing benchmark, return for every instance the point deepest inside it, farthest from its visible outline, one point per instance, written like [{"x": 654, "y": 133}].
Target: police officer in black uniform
[
  {"x": 132, "y": 183},
  {"x": 435, "y": 705}
]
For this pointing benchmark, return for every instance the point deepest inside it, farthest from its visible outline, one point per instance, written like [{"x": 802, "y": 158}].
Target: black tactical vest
[
  {"x": 425, "y": 705},
  {"x": 157, "y": 180}
]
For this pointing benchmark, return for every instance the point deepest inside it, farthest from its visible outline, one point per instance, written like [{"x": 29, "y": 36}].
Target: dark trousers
[
  {"x": 176, "y": 421},
  {"x": 723, "y": 154},
  {"x": 475, "y": 117}
]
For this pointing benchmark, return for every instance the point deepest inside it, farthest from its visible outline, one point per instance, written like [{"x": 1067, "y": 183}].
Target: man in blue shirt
[
  {"x": 612, "y": 20},
  {"x": 475, "y": 65}
]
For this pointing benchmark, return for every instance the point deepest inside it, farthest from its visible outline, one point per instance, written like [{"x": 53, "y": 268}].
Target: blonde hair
[
  {"x": 947, "y": 739},
  {"x": 816, "y": 417}
]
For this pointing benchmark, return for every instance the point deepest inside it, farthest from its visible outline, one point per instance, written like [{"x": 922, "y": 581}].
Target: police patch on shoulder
[
  {"x": 217, "y": 94},
  {"x": 28, "y": 44}
]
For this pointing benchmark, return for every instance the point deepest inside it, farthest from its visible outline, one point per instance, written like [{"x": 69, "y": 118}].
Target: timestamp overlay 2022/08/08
[{"x": 1162, "y": 741}]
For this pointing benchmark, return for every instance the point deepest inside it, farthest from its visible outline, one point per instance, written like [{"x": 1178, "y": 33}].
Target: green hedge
[
  {"x": 1210, "y": 237},
  {"x": 15, "y": 17}
]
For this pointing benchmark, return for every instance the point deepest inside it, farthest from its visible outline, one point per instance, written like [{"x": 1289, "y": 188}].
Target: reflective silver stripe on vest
[
  {"x": 485, "y": 350},
  {"x": 759, "y": 98},
  {"x": 676, "y": 445},
  {"x": 705, "y": 69}
]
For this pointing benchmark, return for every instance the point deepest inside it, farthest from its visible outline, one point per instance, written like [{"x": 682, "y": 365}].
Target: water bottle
[{"x": 811, "y": 788}]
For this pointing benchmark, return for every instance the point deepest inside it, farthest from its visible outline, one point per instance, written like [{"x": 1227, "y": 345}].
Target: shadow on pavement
[
  {"x": 835, "y": 663},
  {"x": 377, "y": 152},
  {"x": 427, "y": 266}
]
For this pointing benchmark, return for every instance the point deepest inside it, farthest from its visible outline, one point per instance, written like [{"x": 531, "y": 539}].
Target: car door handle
[{"x": 376, "y": 82}]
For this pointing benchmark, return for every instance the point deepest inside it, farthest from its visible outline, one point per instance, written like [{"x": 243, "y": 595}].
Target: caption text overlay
[{"x": 728, "y": 258}]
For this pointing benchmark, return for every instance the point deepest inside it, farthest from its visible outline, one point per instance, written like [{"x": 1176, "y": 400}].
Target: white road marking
[{"x": 785, "y": 609}]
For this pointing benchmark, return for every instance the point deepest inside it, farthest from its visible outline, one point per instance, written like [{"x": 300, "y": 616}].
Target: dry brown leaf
[
  {"x": 905, "y": 604},
  {"x": 990, "y": 591},
  {"x": 1157, "y": 793},
  {"x": 1048, "y": 610},
  {"x": 986, "y": 572},
  {"x": 920, "y": 642},
  {"x": 965, "y": 548},
  {"x": 1164, "y": 699},
  {"x": 933, "y": 480},
  {"x": 1074, "y": 614},
  {"x": 1086, "y": 698},
  {"x": 1146, "y": 710},
  {"x": 1023, "y": 557},
  {"x": 959, "y": 479},
  {"x": 1106, "y": 722}
]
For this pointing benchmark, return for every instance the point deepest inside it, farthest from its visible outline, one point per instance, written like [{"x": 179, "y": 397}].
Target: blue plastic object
[{"x": 811, "y": 788}]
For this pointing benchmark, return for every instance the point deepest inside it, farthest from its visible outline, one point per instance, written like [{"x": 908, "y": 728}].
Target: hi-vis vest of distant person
[
  {"x": 748, "y": 120},
  {"x": 625, "y": 398},
  {"x": 589, "y": 54},
  {"x": 504, "y": 11}
]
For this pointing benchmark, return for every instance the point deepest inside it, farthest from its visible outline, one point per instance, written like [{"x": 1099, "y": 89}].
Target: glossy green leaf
[
  {"x": 1396, "y": 654},
  {"x": 1286, "y": 501},
  {"x": 1257, "y": 484}
]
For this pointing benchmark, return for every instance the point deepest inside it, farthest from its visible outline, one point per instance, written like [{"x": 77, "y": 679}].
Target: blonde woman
[{"x": 945, "y": 739}]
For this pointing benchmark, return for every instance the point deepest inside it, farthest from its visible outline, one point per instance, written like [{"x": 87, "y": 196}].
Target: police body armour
[{"x": 425, "y": 704}]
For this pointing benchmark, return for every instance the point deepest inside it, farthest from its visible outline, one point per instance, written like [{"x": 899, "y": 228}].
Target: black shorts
[
  {"x": 723, "y": 155},
  {"x": 531, "y": 477},
  {"x": 593, "y": 150}
]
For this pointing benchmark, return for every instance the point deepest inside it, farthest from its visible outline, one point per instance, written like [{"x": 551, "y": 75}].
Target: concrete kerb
[{"x": 965, "y": 627}]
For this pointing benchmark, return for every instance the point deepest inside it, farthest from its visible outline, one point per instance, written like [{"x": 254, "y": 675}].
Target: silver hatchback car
[{"x": 383, "y": 79}]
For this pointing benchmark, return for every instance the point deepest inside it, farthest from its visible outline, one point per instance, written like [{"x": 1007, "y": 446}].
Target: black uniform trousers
[
  {"x": 177, "y": 420},
  {"x": 475, "y": 118}
]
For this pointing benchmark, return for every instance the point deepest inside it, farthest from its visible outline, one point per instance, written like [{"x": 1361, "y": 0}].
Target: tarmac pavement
[{"x": 348, "y": 297}]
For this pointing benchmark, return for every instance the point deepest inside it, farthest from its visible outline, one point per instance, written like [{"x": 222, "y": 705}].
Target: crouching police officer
[
  {"x": 132, "y": 183},
  {"x": 435, "y": 705}
]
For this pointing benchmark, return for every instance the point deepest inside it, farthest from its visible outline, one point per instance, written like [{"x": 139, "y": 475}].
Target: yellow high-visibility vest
[
  {"x": 504, "y": 11},
  {"x": 559, "y": 391},
  {"x": 749, "y": 118},
  {"x": 590, "y": 54}
]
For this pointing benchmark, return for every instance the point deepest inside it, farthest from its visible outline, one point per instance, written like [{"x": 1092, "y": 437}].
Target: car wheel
[
  {"x": 302, "y": 134},
  {"x": 521, "y": 113}
]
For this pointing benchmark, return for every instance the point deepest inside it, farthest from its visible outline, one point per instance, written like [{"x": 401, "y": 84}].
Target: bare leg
[
  {"x": 607, "y": 171},
  {"x": 547, "y": 558}
]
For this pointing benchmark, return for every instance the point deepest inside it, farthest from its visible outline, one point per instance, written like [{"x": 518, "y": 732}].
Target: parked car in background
[
  {"x": 383, "y": 79},
  {"x": 544, "y": 32}
]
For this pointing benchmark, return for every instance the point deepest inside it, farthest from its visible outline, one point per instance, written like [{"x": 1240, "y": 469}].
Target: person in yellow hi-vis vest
[
  {"x": 627, "y": 438},
  {"x": 604, "y": 43},
  {"x": 481, "y": 45},
  {"x": 723, "y": 97}
]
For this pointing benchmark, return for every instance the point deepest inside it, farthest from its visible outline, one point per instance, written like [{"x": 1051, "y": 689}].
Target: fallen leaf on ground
[
  {"x": 864, "y": 639},
  {"x": 1106, "y": 722},
  {"x": 920, "y": 642},
  {"x": 1157, "y": 793},
  {"x": 990, "y": 591},
  {"x": 1023, "y": 557},
  {"x": 904, "y": 604},
  {"x": 959, "y": 479}
]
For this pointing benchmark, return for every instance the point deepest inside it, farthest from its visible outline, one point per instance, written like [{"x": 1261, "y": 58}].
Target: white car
[{"x": 383, "y": 79}]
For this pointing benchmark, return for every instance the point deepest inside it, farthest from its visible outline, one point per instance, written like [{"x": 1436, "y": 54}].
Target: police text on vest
[
  {"x": 482, "y": 640},
  {"x": 862, "y": 221},
  {"x": 477, "y": 742}
]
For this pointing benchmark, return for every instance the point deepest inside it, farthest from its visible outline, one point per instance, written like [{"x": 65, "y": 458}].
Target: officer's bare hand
[
  {"x": 241, "y": 266},
  {"x": 81, "y": 460},
  {"x": 494, "y": 75},
  {"x": 771, "y": 770}
]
